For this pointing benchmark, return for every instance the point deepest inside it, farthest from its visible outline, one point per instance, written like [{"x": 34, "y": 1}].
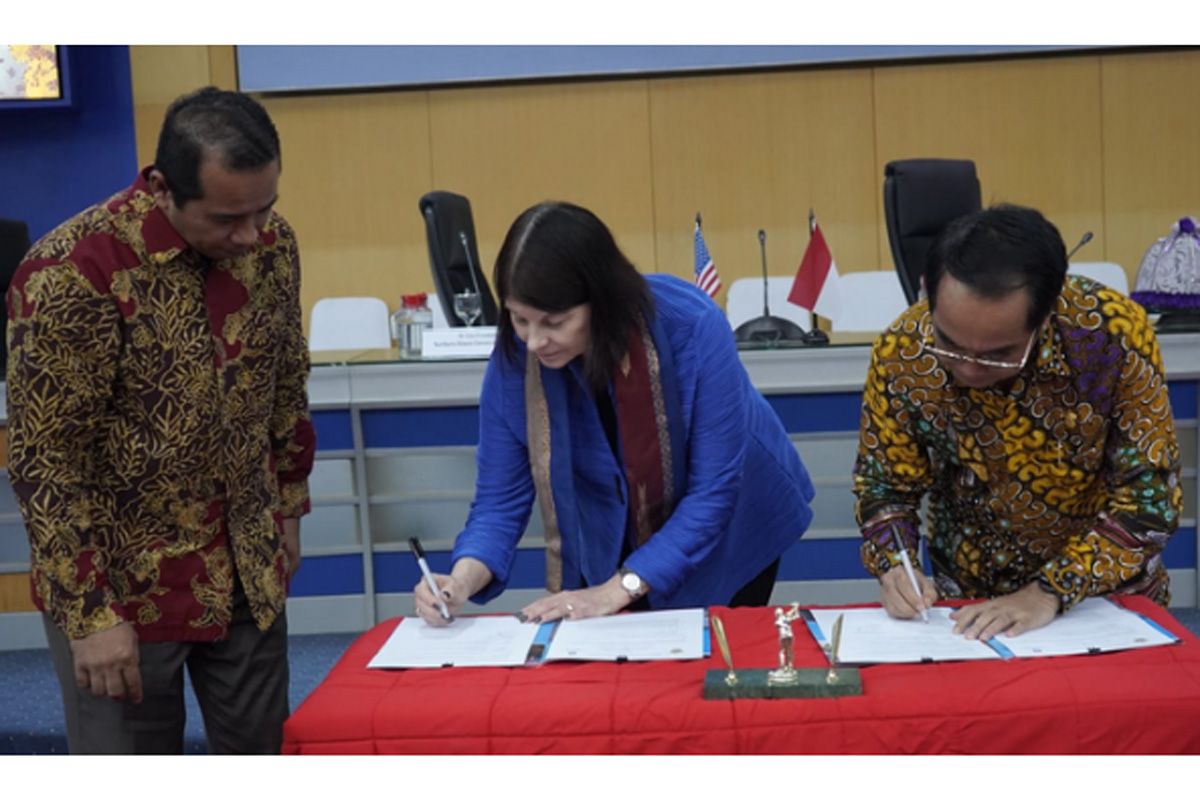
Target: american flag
[{"x": 706, "y": 272}]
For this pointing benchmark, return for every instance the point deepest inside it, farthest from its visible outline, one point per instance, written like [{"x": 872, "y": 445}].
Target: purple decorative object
[{"x": 1169, "y": 276}]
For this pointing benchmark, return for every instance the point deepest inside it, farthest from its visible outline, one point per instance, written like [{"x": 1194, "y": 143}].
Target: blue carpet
[{"x": 31, "y": 711}]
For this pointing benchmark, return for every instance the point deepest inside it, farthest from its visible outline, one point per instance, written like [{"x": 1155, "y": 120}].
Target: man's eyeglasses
[{"x": 990, "y": 363}]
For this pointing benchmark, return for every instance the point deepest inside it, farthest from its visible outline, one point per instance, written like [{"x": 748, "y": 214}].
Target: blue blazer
[{"x": 745, "y": 494}]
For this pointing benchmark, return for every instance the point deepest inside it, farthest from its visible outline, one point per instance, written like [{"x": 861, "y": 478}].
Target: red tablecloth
[{"x": 1138, "y": 701}]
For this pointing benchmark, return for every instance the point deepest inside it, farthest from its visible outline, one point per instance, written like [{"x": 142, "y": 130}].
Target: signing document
[
  {"x": 507, "y": 642},
  {"x": 645, "y": 636},
  {"x": 870, "y": 636},
  {"x": 466, "y": 642},
  {"x": 1096, "y": 625}
]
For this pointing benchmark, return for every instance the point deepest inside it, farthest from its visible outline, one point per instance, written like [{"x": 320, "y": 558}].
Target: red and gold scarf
[{"x": 644, "y": 430}]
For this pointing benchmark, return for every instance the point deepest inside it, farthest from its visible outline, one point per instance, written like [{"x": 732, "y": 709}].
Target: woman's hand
[
  {"x": 452, "y": 594},
  {"x": 468, "y": 576},
  {"x": 597, "y": 601}
]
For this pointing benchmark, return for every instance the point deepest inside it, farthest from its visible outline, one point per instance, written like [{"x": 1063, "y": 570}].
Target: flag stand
[
  {"x": 769, "y": 330},
  {"x": 815, "y": 335}
]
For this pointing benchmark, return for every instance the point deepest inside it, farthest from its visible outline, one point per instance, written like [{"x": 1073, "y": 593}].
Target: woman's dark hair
[
  {"x": 230, "y": 125},
  {"x": 557, "y": 256},
  {"x": 1000, "y": 250}
]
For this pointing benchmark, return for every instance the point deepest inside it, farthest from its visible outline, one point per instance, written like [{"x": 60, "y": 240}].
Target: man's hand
[
  {"x": 597, "y": 601},
  {"x": 897, "y": 595},
  {"x": 106, "y": 663},
  {"x": 289, "y": 537},
  {"x": 1024, "y": 610}
]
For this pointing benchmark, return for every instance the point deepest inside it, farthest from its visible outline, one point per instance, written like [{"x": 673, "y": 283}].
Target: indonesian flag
[{"x": 816, "y": 284}]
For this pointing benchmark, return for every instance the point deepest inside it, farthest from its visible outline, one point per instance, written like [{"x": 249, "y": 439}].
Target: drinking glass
[{"x": 467, "y": 307}]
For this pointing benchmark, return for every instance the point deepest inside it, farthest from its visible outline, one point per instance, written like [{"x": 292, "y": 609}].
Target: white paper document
[
  {"x": 1096, "y": 625},
  {"x": 870, "y": 636},
  {"x": 507, "y": 642},
  {"x": 466, "y": 642},
  {"x": 644, "y": 636}
]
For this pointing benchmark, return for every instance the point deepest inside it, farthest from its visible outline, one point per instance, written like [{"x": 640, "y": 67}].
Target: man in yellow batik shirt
[{"x": 1031, "y": 409}]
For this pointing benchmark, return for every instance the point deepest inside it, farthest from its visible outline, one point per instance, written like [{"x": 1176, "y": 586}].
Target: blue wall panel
[
  {"x": 398, "y": 572},
  {"x": 822, "y": 560},
  {"x": 421, "y": 427},
  {"x": 326, "y": 575},
  {"x": 807, "y": 560},
  {"x": 1180, "y": 552},
  {"x": 817, "y": 413},
  {"x": 800, "y": 413},
  {"x": 54, "y": 162},
  {"x": 1183, "y": 398},
  {"x": 334, "y": 430}
]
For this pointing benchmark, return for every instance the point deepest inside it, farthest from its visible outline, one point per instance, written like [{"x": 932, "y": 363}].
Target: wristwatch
[{"x": 632, "y": 583}]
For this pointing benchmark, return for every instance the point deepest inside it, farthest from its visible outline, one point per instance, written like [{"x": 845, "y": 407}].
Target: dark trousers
[
  {"x": 758, "y": 591},
  {"x": 241, "y": 684}
]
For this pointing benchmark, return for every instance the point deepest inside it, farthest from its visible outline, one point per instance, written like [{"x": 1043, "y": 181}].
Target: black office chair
[
  {"x": 453, "y": 256},
  {"x": 14, "y": 244},
  {"x": 920, "y": 197}
]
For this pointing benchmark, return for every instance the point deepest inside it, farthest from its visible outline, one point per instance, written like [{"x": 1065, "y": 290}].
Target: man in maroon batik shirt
[{"x": 160, "y": 440}]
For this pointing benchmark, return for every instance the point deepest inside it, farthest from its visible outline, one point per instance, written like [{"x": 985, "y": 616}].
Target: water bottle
[{"x": 412, "y": 318}]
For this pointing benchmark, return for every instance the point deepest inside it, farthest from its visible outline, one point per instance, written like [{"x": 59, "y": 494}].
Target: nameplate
[{"x": 474, "y": 342}]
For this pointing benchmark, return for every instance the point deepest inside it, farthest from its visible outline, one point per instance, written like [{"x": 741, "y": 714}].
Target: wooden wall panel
[
  {"x": 160, "y": 74},
  {"x": 1033, "y": 128},
  {"x": 507, "y": 148},
  {"x": 14, "y": 592},
  {"x": 353, "y": 168},
  {"x": 757, "y": 151},
  {"x": 1098, "y": 142},
  {"x": 1151, "y": 131}
]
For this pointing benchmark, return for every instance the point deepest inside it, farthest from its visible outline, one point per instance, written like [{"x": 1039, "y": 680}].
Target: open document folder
[
  {"x": 1096, "y": 625},
  {"x": 507, "y": 642}
]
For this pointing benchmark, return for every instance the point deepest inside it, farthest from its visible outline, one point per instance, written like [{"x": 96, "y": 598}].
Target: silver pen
[
  {"x": 912, "y": 577},
  {"x": 419, "y": 554}
]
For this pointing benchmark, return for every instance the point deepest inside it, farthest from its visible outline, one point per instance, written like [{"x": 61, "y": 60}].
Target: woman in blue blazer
[{"x": 619, "y": 403}]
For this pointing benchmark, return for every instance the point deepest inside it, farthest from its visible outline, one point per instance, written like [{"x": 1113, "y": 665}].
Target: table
[{"x": 1138, "y": 701}]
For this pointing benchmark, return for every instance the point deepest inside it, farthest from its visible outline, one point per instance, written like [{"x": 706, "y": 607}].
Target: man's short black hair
[
  {"x": 230, "y": 126},
  {"x": 1000, "y": 250}
]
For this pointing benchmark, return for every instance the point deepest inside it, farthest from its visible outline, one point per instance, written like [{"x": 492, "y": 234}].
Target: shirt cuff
[
  {"x": 77, "y": 626},
  {"x": 883, "y": 541},
  {"x": 1065, "y": 578},
  {"x": 293, "y": 499}
]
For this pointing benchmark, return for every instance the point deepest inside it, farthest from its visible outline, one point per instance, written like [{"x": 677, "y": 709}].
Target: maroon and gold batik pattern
[
  {"x": 1068, "y": 475},
  {"x": 158, "y": 421}
]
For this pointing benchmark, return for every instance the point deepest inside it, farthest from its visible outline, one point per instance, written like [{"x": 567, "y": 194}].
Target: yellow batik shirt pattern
[{"x": 1068, "y": 475}]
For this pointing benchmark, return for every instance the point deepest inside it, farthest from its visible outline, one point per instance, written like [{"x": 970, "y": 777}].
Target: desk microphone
[
  {"x": 768, "y": 330},
  {"x": 1087, "y": 237},
  {"x": 462, "y": 237},
  {"x": 762, "y": 248}
]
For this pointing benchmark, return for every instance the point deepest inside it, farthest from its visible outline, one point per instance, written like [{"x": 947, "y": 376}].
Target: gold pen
[{"x": 723, "y": 644}]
